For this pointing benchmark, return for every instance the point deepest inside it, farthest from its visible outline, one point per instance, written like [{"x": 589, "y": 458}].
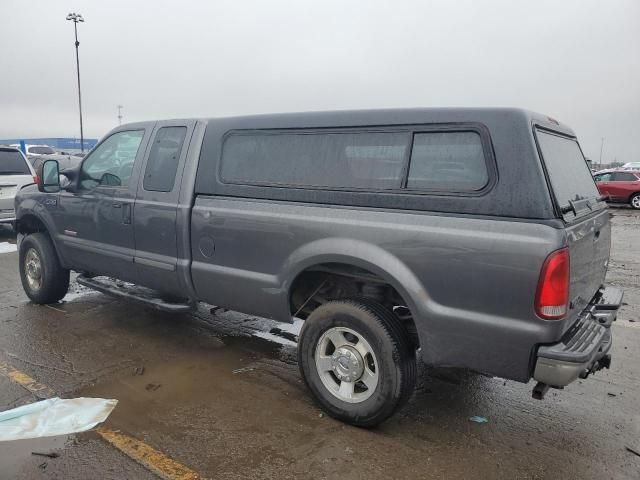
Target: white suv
[{"x": 15, "y": 172}]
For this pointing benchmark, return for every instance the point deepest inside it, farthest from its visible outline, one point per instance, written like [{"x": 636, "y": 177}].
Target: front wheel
[
  {"x": 635, "y": 201},
  {"x": 357, "y": 359},
  {"x": 43, "y": 278}
]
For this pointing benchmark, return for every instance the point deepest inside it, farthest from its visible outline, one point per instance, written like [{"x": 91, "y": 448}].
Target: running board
[{"x": 136, "y": 293}]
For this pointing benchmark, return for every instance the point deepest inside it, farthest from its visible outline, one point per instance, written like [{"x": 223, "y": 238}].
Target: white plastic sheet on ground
[{"x": 54, "y": 416}]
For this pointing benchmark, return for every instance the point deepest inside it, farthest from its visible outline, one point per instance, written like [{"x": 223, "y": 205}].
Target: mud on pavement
[{"x": 220, "y": 393}]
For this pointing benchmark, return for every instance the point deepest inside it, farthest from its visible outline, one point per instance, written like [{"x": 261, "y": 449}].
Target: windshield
[
  {"x": 13, "y": 163},
  {"x": 569, "y": 174},
  {"x": 41, "y": 150}
]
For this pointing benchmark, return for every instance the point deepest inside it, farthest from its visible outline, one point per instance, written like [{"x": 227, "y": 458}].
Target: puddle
[
  {"x": 198, "y": 387},
  {"x": 15, "y": 455}
]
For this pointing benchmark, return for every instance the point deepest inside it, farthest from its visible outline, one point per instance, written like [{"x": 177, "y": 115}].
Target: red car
[{"x": 622, "y": 186}]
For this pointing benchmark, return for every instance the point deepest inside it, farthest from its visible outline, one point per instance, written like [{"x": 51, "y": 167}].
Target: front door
[
  {"x": 94, "y": 223},
  {"x": 157, "y": 206}
]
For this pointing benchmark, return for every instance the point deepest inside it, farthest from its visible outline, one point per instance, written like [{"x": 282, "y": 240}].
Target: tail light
[{"x": 552, "y": 296}]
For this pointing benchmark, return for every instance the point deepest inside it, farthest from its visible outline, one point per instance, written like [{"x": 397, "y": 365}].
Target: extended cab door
[
  {"x": 94, "y": 223},
  {"x": 156, "y": 206}
]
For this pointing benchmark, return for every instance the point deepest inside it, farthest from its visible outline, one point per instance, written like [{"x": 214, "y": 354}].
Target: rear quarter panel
[{"x": 470, "y": 282}]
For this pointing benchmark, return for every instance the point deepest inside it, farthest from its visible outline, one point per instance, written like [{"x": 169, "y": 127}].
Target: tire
[
  {"x": 43, "y": 278},
  {"x": 634, "y": 201},
  {"x": 388, "y": 364}
]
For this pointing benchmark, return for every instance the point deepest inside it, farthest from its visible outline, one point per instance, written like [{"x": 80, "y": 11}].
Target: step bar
[{"x": 136, "y": 293}]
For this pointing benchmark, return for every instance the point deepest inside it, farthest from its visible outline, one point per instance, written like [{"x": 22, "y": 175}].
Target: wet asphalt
[{"x": 207, "y": 391}]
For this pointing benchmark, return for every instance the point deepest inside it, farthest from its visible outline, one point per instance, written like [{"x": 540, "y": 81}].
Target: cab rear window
[
  {"x": 568, "y": 171},
  {"x": 13, "y": 163}
]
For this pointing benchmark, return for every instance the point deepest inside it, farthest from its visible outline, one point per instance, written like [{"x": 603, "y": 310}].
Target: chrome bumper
[{"x": 584, "y": 348}]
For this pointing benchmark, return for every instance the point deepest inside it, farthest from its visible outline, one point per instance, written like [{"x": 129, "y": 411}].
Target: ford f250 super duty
[{"x": 472, "y": 238}]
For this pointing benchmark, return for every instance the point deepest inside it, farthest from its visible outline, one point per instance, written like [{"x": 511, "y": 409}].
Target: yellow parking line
[
  {"x": 150, "y": 458},
  {"x": 147, "y": 456},
  {"x": 39, "y": 390}
]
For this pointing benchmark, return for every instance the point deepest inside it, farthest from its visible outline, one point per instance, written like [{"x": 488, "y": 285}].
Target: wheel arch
[
  {"x": 31, "y": 222},
  {"x": 361, "y": 255}
]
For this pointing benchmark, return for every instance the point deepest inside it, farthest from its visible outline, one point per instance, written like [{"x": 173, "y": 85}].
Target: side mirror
[
  {"x": 110, "y": 179},
  {"x": 49, "y": 176}
]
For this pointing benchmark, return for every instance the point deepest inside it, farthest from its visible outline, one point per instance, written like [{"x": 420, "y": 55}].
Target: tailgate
[
  {"x": 7, "y": 194},
  {"x": 586, "y": 218},
  {"x": 589, "y": 242}
]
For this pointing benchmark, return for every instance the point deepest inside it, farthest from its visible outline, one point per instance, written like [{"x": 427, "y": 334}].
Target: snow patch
[
  {"x": 78, "y": 293},
  {"x": 6, "y": 247},
  {"x": 273, "y": 331},
  {"x": 275, "y": 338}
]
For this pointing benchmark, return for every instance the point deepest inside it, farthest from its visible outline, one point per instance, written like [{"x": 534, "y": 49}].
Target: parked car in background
[
  {"x": 620, "y": 186},
  {"x": 35, "y": 151},
  {"x": 15, "y": 172},
  {"x": 64, "y": 161},
  {"x": 631, "y": 166}
]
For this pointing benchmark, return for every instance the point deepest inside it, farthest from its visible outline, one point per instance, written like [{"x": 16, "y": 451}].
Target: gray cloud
[{"x": 575, "y": 60}]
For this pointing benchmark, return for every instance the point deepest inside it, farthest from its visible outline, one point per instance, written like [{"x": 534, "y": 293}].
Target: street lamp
[
  {"x": 76, "y": 17},
  {"x": 120, "y": 107}
]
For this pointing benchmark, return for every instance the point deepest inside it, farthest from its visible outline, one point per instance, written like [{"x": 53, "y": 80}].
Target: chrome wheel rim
[
  {"x": 635, "y": 201},
  {"x": 33, "y": 269},
  {"x": 346, "y": 364}
]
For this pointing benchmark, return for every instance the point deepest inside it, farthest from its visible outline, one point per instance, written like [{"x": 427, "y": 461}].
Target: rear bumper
[{"x": 584, "y": 348}]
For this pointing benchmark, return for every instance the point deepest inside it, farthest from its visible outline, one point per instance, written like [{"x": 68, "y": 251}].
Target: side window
[
  {"x": 111, "y": 163},
  {"x": 162, "y": 165},
  {"x": 603, "y": 177},
  {"x": 447, "y": 161},
  {"x": 623, "y": 177},
  {"x": 373, "y": 160}
]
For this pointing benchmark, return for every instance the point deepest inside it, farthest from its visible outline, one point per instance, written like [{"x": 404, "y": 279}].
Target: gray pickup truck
[{"x": 472, "y": 238}]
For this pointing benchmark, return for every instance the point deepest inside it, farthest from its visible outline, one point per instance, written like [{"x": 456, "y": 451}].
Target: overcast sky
[{"x": 575, "y": 60}]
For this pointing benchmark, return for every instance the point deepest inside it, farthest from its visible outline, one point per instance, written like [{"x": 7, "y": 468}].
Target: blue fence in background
[{"x": 55, "y": 143}]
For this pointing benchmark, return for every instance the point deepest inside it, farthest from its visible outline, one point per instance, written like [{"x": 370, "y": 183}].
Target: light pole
[
  {"x": 601, "y": 147},
  {"x": 120, "y": 107},
  {"x": 76, "y": 17}
]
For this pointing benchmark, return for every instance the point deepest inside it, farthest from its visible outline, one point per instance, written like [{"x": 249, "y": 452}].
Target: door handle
[{"x": 126, "y": 214}]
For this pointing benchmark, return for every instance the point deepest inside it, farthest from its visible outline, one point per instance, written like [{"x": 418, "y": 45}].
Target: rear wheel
[
  {"x": 635, "y": 201},
  {"x": 358, "y": 361},
  {"x": 43, "y": 278}
]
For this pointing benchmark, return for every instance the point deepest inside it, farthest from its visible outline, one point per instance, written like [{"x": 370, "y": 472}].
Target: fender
[
  {"x": 360, "y": 254},
  {"x": 38, "y": 205}
]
